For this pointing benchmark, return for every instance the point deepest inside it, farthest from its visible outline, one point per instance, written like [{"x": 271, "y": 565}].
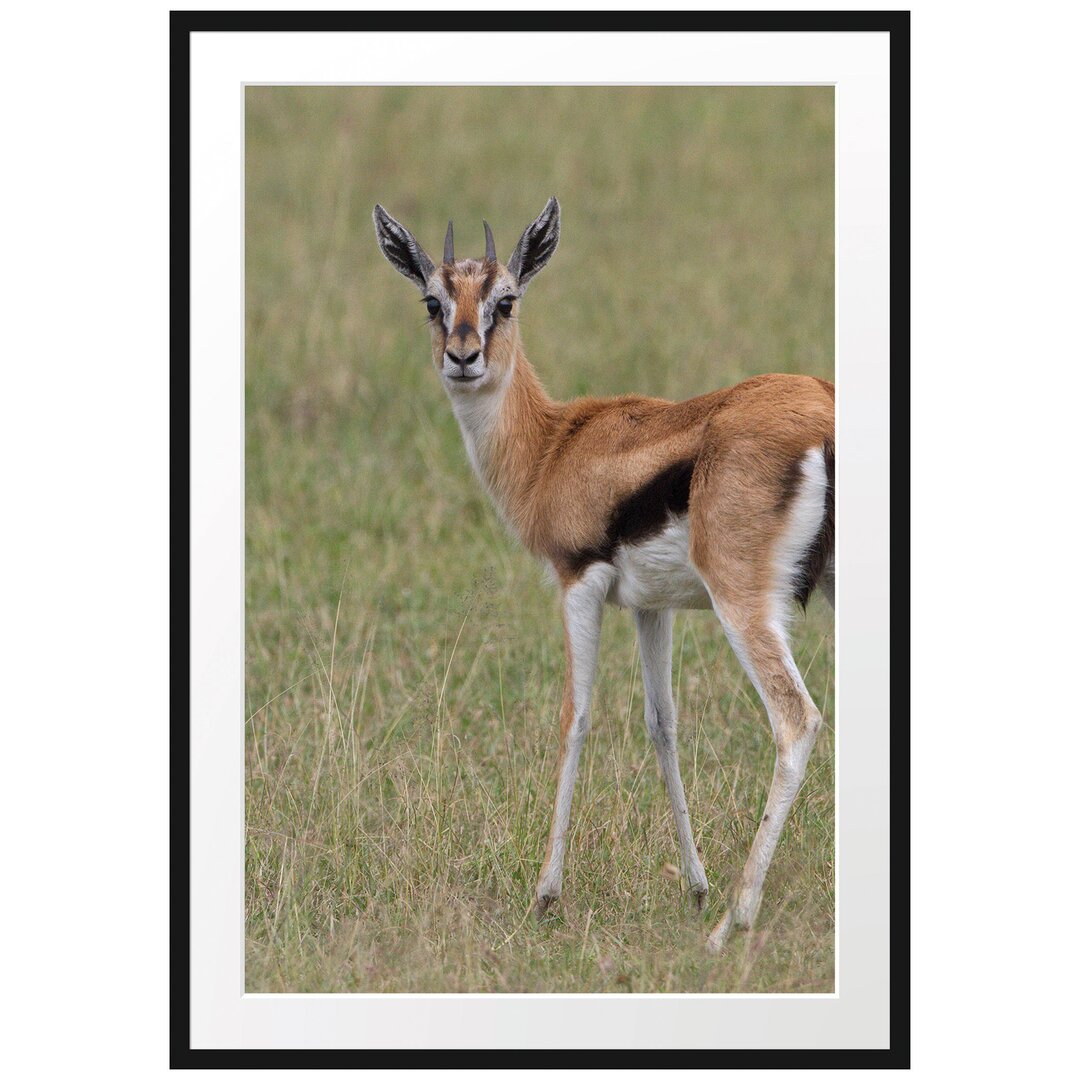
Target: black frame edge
[
  {"x": 182, "y": 24},
  {"x": 180, "y": 1053}
]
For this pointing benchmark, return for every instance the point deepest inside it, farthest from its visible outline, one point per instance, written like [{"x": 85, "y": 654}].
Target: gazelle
[{"x": 721, "y": 502}]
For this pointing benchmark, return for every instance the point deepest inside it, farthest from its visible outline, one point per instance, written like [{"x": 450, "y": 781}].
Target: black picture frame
[{"x": 897, "y": 25}]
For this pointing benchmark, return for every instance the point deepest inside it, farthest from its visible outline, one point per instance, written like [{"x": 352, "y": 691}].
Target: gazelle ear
[
  {"x": 402, "y": 251},
  {"x": 537, "y": 244}
]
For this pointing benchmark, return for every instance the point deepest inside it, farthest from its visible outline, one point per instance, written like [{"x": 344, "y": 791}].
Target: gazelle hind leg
[
  {"x": 750, "y": 539},
  {"x": 654, "y": 641},
  {"x": 763, "y": 650}
]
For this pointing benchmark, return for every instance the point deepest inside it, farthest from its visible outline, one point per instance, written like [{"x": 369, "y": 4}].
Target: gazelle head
[{"x": 471, "y": 303}]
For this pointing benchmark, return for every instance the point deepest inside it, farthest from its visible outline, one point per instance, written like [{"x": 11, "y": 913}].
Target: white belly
[{"x": 657, "y": 574}]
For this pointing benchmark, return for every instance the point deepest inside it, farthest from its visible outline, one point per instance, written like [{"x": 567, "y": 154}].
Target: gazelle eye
[
  {"x": 433, "y": 306},
  {"x": 505, "y": 305}
]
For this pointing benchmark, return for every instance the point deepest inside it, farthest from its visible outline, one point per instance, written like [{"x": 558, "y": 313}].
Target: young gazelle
[{"x": 723, "y": 501}]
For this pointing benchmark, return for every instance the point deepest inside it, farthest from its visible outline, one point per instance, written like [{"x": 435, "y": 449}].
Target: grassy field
[{"x": 403, "y": 707}]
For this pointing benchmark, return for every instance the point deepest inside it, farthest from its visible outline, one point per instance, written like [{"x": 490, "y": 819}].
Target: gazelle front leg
[
  {"x": 583, "y": 607},
  {"x": 654, "y": 641}
]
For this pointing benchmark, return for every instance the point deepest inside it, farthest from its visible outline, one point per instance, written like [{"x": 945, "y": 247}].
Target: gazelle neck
[{"x": 506, "y": 431}]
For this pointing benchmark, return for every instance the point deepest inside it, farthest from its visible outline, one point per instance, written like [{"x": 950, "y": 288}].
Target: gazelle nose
[{"x": 463, "y": 361}]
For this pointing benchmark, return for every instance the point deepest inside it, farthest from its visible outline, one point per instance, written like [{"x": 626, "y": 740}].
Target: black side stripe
[{"x": 640, "y": 515}]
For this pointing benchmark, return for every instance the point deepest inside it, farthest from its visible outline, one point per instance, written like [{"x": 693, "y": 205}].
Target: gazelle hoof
[
  {"x": 718, "y": 937},
  {"x": 697, "y": 897},
  {"x": 543, "y": 902}
]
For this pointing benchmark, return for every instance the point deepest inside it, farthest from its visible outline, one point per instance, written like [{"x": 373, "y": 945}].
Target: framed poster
[{"x": 453, "y": 569}]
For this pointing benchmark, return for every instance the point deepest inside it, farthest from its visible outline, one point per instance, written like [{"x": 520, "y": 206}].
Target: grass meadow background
[{"x": 403, "y": 654}]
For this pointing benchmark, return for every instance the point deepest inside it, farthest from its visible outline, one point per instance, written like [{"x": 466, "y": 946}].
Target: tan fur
[
  {"x": 467, "y": 282},
  {"x": 749, "y": 467},
  {"x": 557, "y": 470}
]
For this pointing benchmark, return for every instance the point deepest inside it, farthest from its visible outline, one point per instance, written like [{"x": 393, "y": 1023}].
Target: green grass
[{"x": 403, "y": 706}]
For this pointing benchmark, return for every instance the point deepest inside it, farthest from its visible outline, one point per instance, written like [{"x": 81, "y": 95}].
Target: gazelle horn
[
  {"x": 448, "y": 243},
  {"x": 489, "y": 244}
]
